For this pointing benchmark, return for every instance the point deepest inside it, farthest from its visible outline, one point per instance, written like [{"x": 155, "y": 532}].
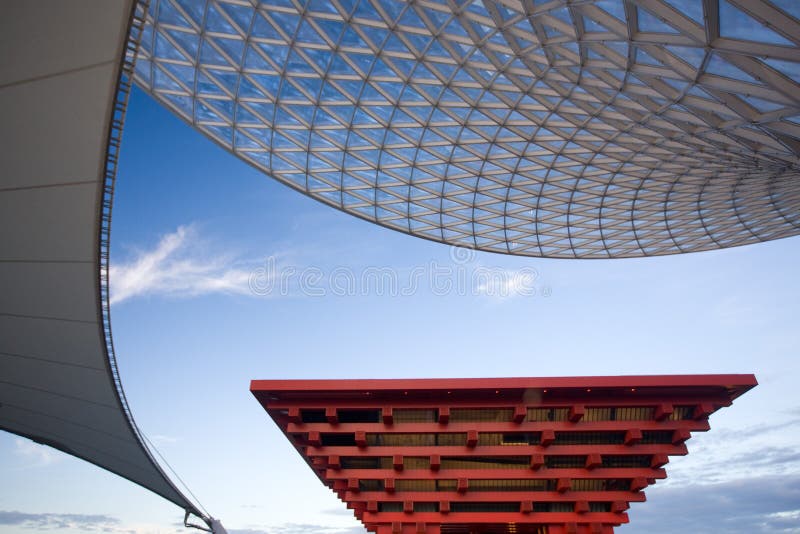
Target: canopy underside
[
  {"x": 590, "y": 129},
  {"x": 61, "y": 109}
]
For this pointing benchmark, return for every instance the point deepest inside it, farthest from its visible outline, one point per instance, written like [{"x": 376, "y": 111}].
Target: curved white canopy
[
  {"x": 590, "y": 129},
  {"x": 59, "y": 72}
]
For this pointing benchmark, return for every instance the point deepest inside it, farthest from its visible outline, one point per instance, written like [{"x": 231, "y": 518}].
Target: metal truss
[{"x": 588, "y": 129}]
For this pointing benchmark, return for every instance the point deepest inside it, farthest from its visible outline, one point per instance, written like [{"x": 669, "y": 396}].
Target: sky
[{"x": 221, "y": 275}]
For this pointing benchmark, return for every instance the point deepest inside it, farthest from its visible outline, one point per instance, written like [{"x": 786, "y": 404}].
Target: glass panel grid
[{"x": 591, "y": 129}]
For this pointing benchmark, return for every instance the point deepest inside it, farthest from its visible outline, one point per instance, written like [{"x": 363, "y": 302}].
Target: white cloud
[
  {"x": 739, "y": 310},
  {"x": 162, "y": 439},
  {"x": 16, "y": 521},
  {"x": 37, "y": 455},
  {"x": 751, "y": 505},
  {"x": 299, "y": 528},
  {"x": 727, "y": 454},
  {"x": 180, "y": 265},
  {"x": 505, "y": 283}
]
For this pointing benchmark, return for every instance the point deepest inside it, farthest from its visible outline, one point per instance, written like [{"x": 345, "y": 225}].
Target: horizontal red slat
[
  {"x": 686, "y": 399},
  {"x": 492, "y": 427},
  {"x": 503, "y": 450},
  {"x": 495, "y": 496},
  {"x": 497, "y": 517},
  {"x": 496, "y": 474}
]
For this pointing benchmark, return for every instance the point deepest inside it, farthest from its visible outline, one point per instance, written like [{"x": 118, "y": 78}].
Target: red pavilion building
[{"x": 501, "y": 455}]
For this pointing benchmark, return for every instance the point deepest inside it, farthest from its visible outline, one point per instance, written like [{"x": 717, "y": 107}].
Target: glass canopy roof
[{"x": 588, "y": 129}]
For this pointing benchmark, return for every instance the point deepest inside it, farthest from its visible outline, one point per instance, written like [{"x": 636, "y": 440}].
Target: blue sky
[{"x": 196, "y": 239}]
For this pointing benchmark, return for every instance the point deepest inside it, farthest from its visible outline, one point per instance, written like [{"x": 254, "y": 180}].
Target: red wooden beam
[
  {"x": 507, "y": 450},
  {"x": 496, "y": 496},
  {"x": 499, "y": 474},
  {"x": 498, "y": 427}
]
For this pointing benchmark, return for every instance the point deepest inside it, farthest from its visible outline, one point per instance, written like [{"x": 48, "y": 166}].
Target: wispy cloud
[
  {"x": 743, "y": 506},
  {"x": 727, "y": 454},
  {"x": 183, "y": 264},
  {"x": 180, "y": 265},
  {"x": 162, "y": 439},
  {"x": 46, "y": 521},
  {"x": 37, "y": 455},
  {"x": 340, "y": 510},
  {"x": 735, "y": 310},
  {"x": 299, "y": 528},
  {"x": 16, "y": 521},
  {"x": 505, "y": 283}
]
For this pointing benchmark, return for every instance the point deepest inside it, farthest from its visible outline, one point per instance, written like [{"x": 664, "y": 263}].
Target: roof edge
[
  {"x": 737, "y": 384},
  {"x": 508, "y": 382}
]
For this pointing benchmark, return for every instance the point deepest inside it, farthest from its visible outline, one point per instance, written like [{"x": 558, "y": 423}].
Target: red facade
[{"x": 503, "y": 455}]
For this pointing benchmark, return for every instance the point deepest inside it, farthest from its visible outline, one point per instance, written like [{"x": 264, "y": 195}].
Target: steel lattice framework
[{"x": 588, "y": 129}]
